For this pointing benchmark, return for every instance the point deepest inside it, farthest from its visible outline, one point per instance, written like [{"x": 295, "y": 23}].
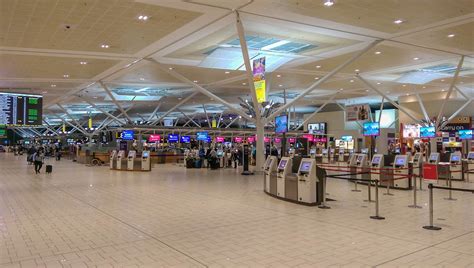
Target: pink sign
[
  {"x": 277, "y": 140},
  {"x": 291, "y": 140},
  {"x": 251, "y": 139},
  {"x": 238, "y": 139},
  {"x": 154, "y": 138},
  {"x": 266, "y": 139},
  {"x": 320, "y": 139},
  {"x": 309, "y": 137},
  {"x": 219, "y": 139}
]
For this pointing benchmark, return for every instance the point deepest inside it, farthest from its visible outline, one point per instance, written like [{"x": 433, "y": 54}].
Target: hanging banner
[
  {"x": 259, "y": 79},
  {"x": 64, "y": 128},
  {"x": 359, "y": 112},
  {"x": 214, "y": 123},
  {"x": 90, "y": 123}
]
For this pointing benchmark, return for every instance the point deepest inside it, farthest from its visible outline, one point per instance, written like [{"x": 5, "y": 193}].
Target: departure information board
[{"x": 20, "y": 109}]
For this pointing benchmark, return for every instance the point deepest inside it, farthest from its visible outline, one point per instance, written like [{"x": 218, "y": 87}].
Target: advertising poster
[
  {"x": 259, "y": 79},
  {"x": 358, "y": 112},
  {"x": 281, "y": 124},
  {"x": 411, "y": 131}
]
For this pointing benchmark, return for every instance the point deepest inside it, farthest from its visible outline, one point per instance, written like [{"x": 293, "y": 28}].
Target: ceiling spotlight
[
  {"x": 104, "y": 46},
  {"x": 329, "y": 3},
  {"x": 244, "y": 84},
  {"x": 341, "y": 89},
  {"x": 399, "y": 21},
  {"x": 278, "y": 75},
  {"x": 316, "y": 78},
  {"x": 143, "y": 17},
  {"x": 408, "y": 94},
  {"x": 83, "y": 62},
  {"x": 356, "y": 70},
  {"x": 378, "y": 52},
  {"x": 230, "y": 118},
  {"x": 66, "y": 76},
  {"x": 451, "y": 35},
  {"x": 404, "y": 85},
  {"x": 53, "y": 85},
  {"x": 443, "y": 90},
  {"x": 240, "y": 116},
  {"x": 378, "y": 83},
  {"x": 352, "y": 80},
  {"x": 142, "y": 79},
  {"x": 227, "y": 72},
  {"x": 170, "y": 68},
  {"x": 195, "y": 81},
  {"x": 366, "y": 90},
  {"x": 416, "y": 58},
  {"x": 44, "y": 92},
  {"x": 318, "y": 66},
  {"x": 280, "y": 85},
  {"x": 250, "y": 116},
  {"x": 442, "y": 80},
  {"x": 424, "y": 87}
]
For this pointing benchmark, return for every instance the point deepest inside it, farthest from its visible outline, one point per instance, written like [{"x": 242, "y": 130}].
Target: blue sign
[
  {"x": 127, "y": 135},
  {"x": 427, "y": 132},
  {"x": 173, "y": 138},
  {"x": 281, "y": 124},
  {"x": 465, "y": 134},
  {"x": 185, "y": 139},
  {"x": 371, "y": 129},
  {"x": 202, "y": 136}
]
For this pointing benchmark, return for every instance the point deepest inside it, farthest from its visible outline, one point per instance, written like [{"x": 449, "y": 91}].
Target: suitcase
[{"x": 49, "y": 168}]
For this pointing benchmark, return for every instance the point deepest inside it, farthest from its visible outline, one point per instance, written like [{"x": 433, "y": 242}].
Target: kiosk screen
[
  {"x": 325, "y": 151},
  {"x": 359, "y": 158},
  {"x": 376, "y": 160},
  {"x": 364, "y": 151},
  {"x": 434, "y": 157},
  {"x": 282, "y": 164},
  {"x": 312, "y": 151},
  {"x": 455, "y": 158},
  {"x": 470, "y": 156},
  {"x": 305, "y": 166},
  {"x": 400, "y": 161},
  {"x": 145, "y": 154}
]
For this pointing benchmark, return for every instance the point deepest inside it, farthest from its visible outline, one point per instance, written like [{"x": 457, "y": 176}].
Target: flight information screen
[{"x": 20, "y": 109}]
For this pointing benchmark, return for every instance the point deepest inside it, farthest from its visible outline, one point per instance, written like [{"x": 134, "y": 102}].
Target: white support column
[
  {"x": 189, "y": 119},
  {"x": 451, "y": 87},
  {"x": 381, "y": 110},
  {"x": 390, "y": 100},
  {"x": 107, "y": 90},
  {"x": 322, "y": 80},
  {"x": 220, "y": 119},
  {"x": 200, "y": 89},
  {"x": 456, "y": 113},
  {"x": 231, "y": 122},
  {"x": 154, "y": 112},
  {"x": 422, "y": 106}
]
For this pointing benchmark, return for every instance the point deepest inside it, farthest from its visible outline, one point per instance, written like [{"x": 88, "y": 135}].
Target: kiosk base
[
  {"x": 434, "y": 228},
  {"x": 292, "y": 200},
  {"x": 247, "y": 173}
]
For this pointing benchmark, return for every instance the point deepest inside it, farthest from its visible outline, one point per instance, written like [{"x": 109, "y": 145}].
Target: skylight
[{"x": 428, "y": 74}]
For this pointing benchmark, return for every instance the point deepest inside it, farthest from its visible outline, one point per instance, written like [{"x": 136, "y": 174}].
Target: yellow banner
[
  {"x": 90, "y": 123},
  {"x": 214, "y": 123},
  {"x": 260, "y": 90},
  {"x": 64, "y": 128}
]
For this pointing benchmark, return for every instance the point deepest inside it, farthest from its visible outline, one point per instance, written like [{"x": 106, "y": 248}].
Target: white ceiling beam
[
  {"x": 422, "y": 106},
  {"x": 64, "y": 53},
  {"x": 183, "y": 101},
  {"x": 451, "y": 88},
  {"x": 114, "y": 100}
]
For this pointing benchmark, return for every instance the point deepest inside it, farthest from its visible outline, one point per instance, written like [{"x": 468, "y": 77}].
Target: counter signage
[
  {"x": 219, "y": 139},
  {"x": 251, "y": 139},
  {"x": 277, "y": 140},
  {"x": 238, "y": 139},
  {"x": 154, "y": 138}
]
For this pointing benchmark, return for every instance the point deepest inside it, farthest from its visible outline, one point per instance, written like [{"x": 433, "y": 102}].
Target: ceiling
[{"x": 62, "y": 49}]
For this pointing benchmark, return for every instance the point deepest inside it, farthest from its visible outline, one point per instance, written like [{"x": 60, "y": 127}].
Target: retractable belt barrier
[{"x": 431, "y": 187}]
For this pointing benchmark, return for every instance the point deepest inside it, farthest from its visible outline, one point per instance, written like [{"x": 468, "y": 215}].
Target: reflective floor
[{"x": 82, "y": 216}]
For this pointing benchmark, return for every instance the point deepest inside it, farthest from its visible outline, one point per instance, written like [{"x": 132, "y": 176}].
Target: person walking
[{"x": 38, "y": 160}]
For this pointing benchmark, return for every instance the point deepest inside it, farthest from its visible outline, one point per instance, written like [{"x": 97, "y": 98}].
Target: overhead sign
[
  {"x": 259, "y": 79},
  {"x": 154, "y": 138},
  {"x": 358, "y": 112},
  {"x": 21, "y": 109}
]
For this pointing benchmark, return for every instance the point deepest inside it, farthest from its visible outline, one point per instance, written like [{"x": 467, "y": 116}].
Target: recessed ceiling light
[
  {"x": 378, "y": 52},
  {"x": 227, "y": 72},
  {"x": 44, "y": 92},
  {"x": 142, "y": 79},
  {"x": 378, "y": 83},
  {"x": 318, "y": 66},
  {"x": 316, "y": 78},
  {"x": 66, "y": 76},
  {"x": 366, "y": 90},
  {"x": 408, "y": 94},
  {"x": 170, "y": 68},
  {"x": 143, "y": 17},
  {"x": 443, "y": 90},
  {"x": 352, "y": 80},
  {"x": 356, "y": 70},
  {"x": 341, "y": 89},
  {"x": 451, "y": 35},
  {"x": 329, "y": 3},
  {"x": 398, "y": 21},
  {"x": 278, "y": 75},
  {"x": 404, "y": 85},
  {"x": 195, "y": 81},
  {"x": 83, "y": 62},
  {"x": 424, "y": 87},
  {"x": 442, "y": 80},
  {"x": 416, "y": 58},
  {"x": 53, "y": 85},
  {"x": 104, "y": 46},
  {"x": 244, "y": 83},
  {"x": 280, "y": 85}
]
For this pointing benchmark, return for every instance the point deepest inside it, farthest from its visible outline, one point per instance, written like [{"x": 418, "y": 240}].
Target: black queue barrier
[{"x": 431, "y": 187}]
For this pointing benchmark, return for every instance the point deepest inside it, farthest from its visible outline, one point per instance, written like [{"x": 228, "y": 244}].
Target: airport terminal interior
[{"x": 236, "y": 133}]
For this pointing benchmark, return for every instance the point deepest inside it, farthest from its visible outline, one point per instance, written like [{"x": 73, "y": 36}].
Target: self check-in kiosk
[
  {"x": 113, "y": 159},
  {"x": 307, "y": 181},
  {"x": 362, "y": 164},
  {"x": 332, "y": 155},
  {"x": 146, "y": 163},
  {"x": 341, "y": 155},
  {"x": 270, "y": 174},
  {"x": 434, "y": 158},
  {"x": 121, "y": 161},
  {"x": 417, "y": 164},
  {"x": 284, "y": 168},
  {"x": 352, "y": 165},
  {"x": 376, "y": 164},
  {"x": 131, "y": 159},
  {"x": 401, "y": 172},
  {"x": 470, "y": 164},
  {"x": 455, "y": 168},
  {"x": 325, "y": 156},
  {"x": 312, "y": 152}
]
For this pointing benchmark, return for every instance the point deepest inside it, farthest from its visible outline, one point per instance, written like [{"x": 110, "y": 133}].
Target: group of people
[{"x": 37, "y": 154}]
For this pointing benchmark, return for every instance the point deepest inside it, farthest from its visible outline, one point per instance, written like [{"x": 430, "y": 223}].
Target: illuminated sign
[{"x": 259, "y": 79}]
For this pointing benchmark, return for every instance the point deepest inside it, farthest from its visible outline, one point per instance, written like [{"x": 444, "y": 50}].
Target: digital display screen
[
  {"x": 250, "y": 139},
  {"x": 364, "y": 151},
  {"x": 317, "y": 128},
  {"x": 220, "y": 139},
  {"x": 371, "y": 129},
  {"x": 359, "y": 158},
  {"x": 465, "y": 134},
  {"x": 168, "y": 122},
  {"x": 376, "y": 160},
  {"x": 154, "y": 138},
  {"x": 312, "y": 151},
  {"x": 127, "y": 135},
  {"x": 202, "y": 136},
  {"x": 411, "y": 131},
  {"x": 281, "y": 124},
  {"x": 305, "y": 166},
  {"x": 173, "y": 138},
  {"x": 238, "y": 139},
  {"x": 325, "y": 151},
  {"x": 470, "y": 156},
  {"x": 434, "y": 157},
  {"x": 291, "y": 140},
  {"x": 427, "y": 132},
  {"x": 282, "y": 164},
  {"x": 21, "y": 109},
  {"x": 455, "y": 158},
  {"x": 346, "y": 138},
  {"x": 145, "y": 154},
  {"x": 185, "y": 139},
  {"x": 400, "y": 161},
  {"x": 277, "y": 140}
]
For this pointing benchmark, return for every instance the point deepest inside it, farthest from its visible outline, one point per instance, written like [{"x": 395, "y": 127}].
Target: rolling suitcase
[{"x": 49, "y": 168}]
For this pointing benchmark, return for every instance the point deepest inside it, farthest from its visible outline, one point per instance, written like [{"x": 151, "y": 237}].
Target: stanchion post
[
  {"x": 369, "y": 197},
  {"x": 414, "y": 196},
  {"x": 377, "y": 216},
  {"x": 431, "y": 226},
  {"x": 388, "y": 188},
  {"x": 450, "y": 192},
  {"x": 323, "y": 204},
  {"x": 421, "y": 182},
  {"x": 355, "y": 187}
]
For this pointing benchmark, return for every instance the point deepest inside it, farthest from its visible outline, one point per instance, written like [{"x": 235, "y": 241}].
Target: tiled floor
[{"x": 90, "y": 216}]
